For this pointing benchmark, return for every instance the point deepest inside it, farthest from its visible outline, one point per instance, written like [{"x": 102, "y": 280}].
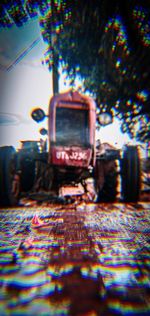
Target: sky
[{"x": 27, "y": 84}]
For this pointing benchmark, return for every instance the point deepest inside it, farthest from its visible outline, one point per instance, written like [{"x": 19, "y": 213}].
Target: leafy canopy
[{"x": 106, "y": 43}]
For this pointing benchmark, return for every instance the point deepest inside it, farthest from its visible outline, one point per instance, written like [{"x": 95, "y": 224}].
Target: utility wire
[{"x": 23, "y": 54}]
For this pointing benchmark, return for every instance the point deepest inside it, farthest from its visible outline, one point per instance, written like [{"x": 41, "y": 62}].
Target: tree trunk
[{"x": 55, "y": 73}]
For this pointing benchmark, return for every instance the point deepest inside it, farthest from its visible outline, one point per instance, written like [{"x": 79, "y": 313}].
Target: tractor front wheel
[
  {"x": 106, "y": 181},
  {"x": 130, "y": 174}
]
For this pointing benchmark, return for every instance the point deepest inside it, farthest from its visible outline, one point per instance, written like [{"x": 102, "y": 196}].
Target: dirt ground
[{"x": 75, "y": 259}]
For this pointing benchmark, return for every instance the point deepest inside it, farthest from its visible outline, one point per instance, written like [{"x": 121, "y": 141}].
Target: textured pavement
[{"x": 77, "y": 259}]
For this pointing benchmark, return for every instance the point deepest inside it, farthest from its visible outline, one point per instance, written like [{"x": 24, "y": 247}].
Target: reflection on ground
[{"x": 77, "y": 259}]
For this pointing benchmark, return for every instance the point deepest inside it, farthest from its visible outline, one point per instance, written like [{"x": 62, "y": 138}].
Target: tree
[{"x": 106, "y": 43}]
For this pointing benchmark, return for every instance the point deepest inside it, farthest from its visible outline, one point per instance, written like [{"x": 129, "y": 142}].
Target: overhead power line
[{"x": 23, "y": 54}]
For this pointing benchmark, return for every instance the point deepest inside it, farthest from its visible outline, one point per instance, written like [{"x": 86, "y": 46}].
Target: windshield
[{"x": 72, "y": 126}]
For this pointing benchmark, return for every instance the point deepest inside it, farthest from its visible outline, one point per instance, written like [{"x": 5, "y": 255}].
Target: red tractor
[{"x": 71, "y": 158}]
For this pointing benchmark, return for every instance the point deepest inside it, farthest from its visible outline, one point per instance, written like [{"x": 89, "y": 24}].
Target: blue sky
[
  {"x": 28, "y": 84},
  {"x": 13, "y": 41}
]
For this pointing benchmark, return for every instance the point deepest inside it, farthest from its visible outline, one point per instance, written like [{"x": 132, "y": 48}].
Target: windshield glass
[{"x": 72, "y": 126}]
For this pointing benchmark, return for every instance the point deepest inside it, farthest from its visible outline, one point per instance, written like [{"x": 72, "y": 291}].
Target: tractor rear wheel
[
  {"x": 9, "y": 180},
  {"x": 130, "y": 174}
]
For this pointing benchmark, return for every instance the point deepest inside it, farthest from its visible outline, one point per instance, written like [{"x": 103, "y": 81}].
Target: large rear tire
[
  {"x": 9, "y": 193},
  {"x": 130, "y": 174}
]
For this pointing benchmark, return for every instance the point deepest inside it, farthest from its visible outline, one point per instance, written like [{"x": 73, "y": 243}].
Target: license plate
[{"x": 71, "y": 156}]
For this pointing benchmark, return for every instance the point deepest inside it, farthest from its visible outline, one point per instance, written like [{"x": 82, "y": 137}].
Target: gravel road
[{"x": 75, "y": 259}]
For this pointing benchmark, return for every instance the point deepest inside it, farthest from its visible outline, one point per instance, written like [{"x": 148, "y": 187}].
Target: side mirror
[
  {"x": 105, "y": 118},
  {"x": 43, "y": 131},
  {"x": 38, "y": 115}
]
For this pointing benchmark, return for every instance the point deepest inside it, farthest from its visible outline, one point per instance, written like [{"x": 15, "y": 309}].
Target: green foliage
[{"x": 106, "y": 43}]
